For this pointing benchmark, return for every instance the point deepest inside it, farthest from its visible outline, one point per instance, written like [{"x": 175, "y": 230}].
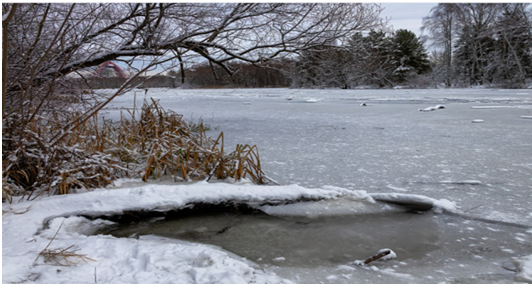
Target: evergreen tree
[
  {"x": 408, "y": 56},
  {"x": 472, "y": 55}
]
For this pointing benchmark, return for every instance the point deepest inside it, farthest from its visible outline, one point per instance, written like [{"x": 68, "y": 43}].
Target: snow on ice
[
  {"x": 431, "y": 108},
  {"x": 524, "y": 269},
  {"x": 417, "y": 201}
]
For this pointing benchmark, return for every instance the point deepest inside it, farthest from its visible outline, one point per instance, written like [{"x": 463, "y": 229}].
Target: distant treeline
[
  {"x": 203, "y": 76},
  {"x": 274, "y": 74},
  {"x": 116, "y": 82},
  {"x": 473, "y": 44}
]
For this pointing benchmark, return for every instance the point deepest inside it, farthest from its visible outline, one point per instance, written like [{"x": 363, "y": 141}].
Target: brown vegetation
[{"x": 159, "y": 144}]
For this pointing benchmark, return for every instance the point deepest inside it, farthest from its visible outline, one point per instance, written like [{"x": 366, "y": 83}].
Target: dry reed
[
  {"x": 159, "y": 144},
  {"x": 63, "y": 256}
]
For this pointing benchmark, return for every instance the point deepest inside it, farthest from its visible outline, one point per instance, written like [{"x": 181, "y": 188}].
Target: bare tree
[
  {"x": 483, "y": 43},
  {"x": 475, "y": 22},
  {"x": 372, "y": 59},
  {"x": 511, "y": 62},
  {"x": 46, "y": 42},
  {"x": 441, "y": 25}
]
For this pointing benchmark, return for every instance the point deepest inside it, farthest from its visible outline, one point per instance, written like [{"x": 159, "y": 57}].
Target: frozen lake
[
  {"x": 325, "y": 137},
  {"x": 476, "y": 151}
]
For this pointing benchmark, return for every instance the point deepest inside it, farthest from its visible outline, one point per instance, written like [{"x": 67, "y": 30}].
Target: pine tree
[{"x": 408, "y": 56}]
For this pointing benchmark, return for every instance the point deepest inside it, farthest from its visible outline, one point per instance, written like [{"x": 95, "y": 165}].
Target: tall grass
[{"x": 157, "y": 144}]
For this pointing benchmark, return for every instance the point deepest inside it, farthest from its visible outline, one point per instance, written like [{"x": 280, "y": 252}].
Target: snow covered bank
[{"x": 28, "y": 228}]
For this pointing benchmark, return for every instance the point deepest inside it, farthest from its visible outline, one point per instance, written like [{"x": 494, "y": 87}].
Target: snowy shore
[{"x": 28, "y": 227}]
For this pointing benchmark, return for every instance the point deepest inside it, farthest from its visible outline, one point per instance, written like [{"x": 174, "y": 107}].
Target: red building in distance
[{"x": 109, "y": 69}]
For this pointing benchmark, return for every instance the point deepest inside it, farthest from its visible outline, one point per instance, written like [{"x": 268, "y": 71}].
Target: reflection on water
[{"x": 301, "y": 241}]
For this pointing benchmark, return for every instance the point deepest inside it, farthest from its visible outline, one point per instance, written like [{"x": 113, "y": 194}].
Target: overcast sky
[{"x": 406, "y": 15}]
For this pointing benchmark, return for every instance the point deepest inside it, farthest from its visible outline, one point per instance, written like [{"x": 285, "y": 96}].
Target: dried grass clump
[
  {"x": 158, "y": 144},
  {"x": 63, "y": 256},
  {"x": 162, "y": 144},
  {"x": 31, "y": 166}
]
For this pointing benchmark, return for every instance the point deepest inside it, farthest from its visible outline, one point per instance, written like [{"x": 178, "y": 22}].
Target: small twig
[
  {"x": 376, "y": 256},
  {"x": 55, "y": 255},
  {"x": 16, "y": 213},
  {"x": 49, "y": 242},
  {"x": 509, "y": 269},
  {"x": 473, "y": 208}
]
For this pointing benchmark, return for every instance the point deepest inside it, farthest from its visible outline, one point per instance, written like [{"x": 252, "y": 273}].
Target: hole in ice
[{"x": 297, "y": 240}]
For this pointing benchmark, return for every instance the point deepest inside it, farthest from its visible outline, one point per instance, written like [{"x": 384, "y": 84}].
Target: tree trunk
[{"x": 5, "y": 43}]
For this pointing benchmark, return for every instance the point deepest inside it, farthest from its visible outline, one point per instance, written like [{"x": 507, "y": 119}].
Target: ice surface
[{"x": 386, "y": 147}]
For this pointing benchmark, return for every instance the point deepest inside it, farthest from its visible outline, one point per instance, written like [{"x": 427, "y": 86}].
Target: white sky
[{"x": 406, "y": 15}]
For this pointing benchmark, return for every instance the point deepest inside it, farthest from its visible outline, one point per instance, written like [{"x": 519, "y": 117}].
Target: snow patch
[
  {"x": 438, "y": 206},
  {"x": 389, "y": 256},
  {"x": 524, "y": 269},
  {"x": 431, "y": 108}
]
